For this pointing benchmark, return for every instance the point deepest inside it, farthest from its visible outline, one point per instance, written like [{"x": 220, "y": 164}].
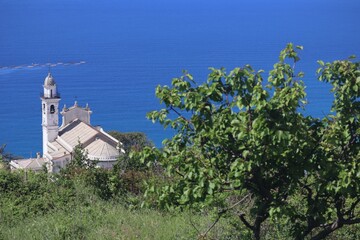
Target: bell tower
[{"x": 50, "y": 111}]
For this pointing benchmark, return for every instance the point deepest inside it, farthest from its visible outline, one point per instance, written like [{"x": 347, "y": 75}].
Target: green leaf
[
  {"x": 301, "y": 74},
  {"x": 235, "y": 123},
  {"x": 355, "y": 88},
  {"x": 321, "y": 63}
]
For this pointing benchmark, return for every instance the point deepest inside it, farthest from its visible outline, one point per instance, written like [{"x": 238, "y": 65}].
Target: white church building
[{"x": 59, "y": 141}]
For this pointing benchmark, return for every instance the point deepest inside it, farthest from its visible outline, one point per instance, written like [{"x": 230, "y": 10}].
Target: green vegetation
[
  {"x": 132, "y": 140},
  {"x": 35, "y": 207},
  {"x": 244, "y": 163},
  {"x": 242, "y": 142}
]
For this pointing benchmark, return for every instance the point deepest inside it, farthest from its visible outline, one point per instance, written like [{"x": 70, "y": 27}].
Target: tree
[
  {"x": 132, "y": 142},
  {"x": 332, "y": 186},
  {"x": 80, "y": 159},
  {"x": 236, "y": 135},
  {"x": 129, "y": 170}
]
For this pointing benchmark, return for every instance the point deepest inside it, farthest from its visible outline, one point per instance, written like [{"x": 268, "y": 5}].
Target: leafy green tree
[
  {"x": 80, "y": 159},
  {"x": 129, "y": 172},
  {"x": 331, "y": 188},
  {"x": 9, "y": 182},
  {"x": 236, "y": 135},
  {"x": 132, "y": 140},
  {"x": 84, "y": 170}
]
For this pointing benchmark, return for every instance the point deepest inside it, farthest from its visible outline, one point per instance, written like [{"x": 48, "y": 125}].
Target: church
[{"x": 59, "y": 141}]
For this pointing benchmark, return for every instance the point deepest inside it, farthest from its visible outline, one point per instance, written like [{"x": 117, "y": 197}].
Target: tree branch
[
  {"x": 179, "y": 114},
  {"x": 351, "y": 221},
  {"x": 353, "y": 205},
  {"x": 212, "y": 225},
  {"x": 245, "y": 222},
  {"x": 237, "y": 203},
  {"x": 334, "y": 226},
  {"x": 193, "y": 225},
  {"x": 223, "y": 211}
]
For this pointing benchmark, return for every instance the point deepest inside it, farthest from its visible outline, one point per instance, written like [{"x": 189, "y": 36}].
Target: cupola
[
  {"x": 50, "y": 90},
  {"x": 49, "y": 80}
]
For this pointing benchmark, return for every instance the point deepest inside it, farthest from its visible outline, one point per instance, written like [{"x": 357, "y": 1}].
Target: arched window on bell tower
[{"x": 52, "y": 109}]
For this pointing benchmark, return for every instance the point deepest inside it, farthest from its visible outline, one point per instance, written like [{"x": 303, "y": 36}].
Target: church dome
[{"x": 49, "y": 80}]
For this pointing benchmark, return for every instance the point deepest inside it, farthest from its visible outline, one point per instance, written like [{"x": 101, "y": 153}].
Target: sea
[{"x": 112, "y": 54}]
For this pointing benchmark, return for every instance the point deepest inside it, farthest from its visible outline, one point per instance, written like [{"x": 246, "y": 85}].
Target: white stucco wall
[{"x": 73, "y": 113}]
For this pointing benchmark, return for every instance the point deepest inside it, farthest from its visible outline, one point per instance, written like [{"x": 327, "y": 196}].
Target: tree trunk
[{"x": 256, "y": 232}]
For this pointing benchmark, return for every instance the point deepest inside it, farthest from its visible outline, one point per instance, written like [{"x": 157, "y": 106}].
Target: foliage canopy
[{"x": 237, "y": 135}]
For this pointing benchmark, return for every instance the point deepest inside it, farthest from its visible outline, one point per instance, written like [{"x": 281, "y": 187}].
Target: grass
[
  {"x": 36, "y": 208},
  {"x": 42, "y": 209},
  {"x": 102, "y": 222},
  {"x": 107, "y": 221},
  {"x": 110, "y": 220},
  {"x": 98, "y": 219}
]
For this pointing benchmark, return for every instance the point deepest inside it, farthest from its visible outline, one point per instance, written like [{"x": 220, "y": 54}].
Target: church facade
[{"x": 59, "y": 141}]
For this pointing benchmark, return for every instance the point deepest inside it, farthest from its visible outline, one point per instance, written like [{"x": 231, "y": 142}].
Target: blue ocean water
[{"x": 132, "y": 46}]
